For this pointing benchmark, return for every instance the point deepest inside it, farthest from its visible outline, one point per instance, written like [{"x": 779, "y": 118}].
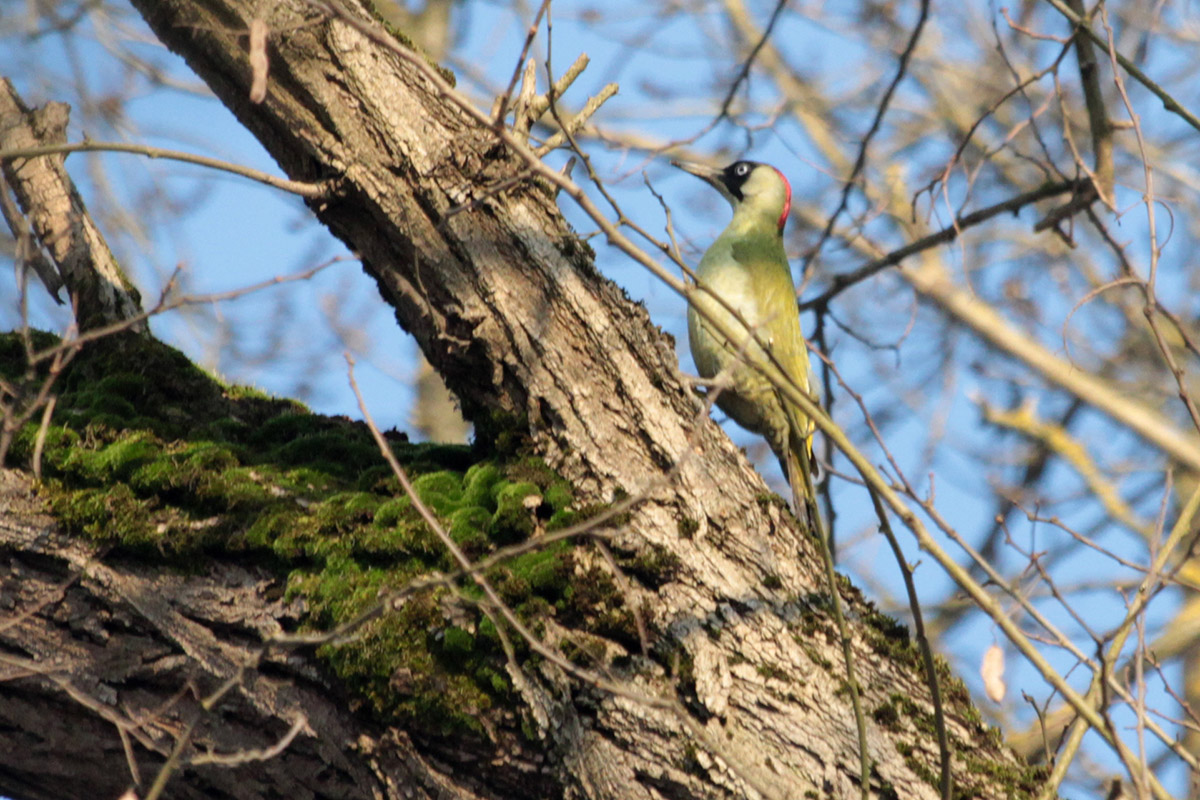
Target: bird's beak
[
  {"x": 710, "y": 175},
  {"x": 705, "y": 173}
]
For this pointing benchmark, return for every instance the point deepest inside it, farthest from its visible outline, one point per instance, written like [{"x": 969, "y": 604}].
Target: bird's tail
[{"x": 800, "y": 465}]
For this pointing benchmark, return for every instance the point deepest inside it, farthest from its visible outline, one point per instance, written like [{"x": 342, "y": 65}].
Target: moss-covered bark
[{"x": 151, "y": 457}]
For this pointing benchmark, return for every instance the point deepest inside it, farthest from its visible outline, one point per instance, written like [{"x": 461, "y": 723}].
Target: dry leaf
[{"x": 992, "y": 672}]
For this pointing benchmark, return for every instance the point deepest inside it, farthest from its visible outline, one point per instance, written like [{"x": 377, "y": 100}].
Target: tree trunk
[{"x": 506, "y": 303}]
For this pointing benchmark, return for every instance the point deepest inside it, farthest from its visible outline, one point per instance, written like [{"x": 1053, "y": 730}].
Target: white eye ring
[{"x": 742, "y": 169}]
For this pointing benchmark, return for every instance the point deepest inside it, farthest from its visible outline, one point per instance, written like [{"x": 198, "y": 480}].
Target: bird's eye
[{"x": 741, "y": 169}]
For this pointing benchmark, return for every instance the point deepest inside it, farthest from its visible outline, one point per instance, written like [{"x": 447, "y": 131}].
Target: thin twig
[
  {"x": 1169, "y": 102},
  {"x": 301, "y": 188},
  {"x": 946, "y": 778},
  {"x": 861, "y": 160},
  {"x": 948, "y": 234}
]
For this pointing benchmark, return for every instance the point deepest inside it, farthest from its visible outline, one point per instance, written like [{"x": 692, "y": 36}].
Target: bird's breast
[
  {"x": 724, "y": 276},
  {"x": 719, "y": 275}
]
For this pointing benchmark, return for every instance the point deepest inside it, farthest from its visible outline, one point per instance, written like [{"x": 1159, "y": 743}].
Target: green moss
[
  {"x": 513, "y": 519},
  {"x": 592, "y": 601},
  {"x": 501, "y": 436},
  {"x": 654, "y": 565},
  {"x": 102, "y": 402},
  {"x": 688, "y": 527},
  {"x": 887, "y": 626},
  {"x": 395, "y": 667},
  {"x": 345, "y": 513},
  {"x": 1022, "y": 780},
  {"x": 774, "y": 672},
  {"x": 441, "y": 491},
  {"x": 13, "y": 363},
  {"x": 547, "y": 571},
  {"x": 887, "y": 791},
  {"x": 922, "y": 771},
  {"x": 887, "y": 716},
  {"x": 813, "y": 654},
  {"x": 690, "y": 763},
  {"x": 557, "y": 509},
  {"x": 59, "y": 445},
  {"x": 271, "y": 530},
  {"x": 330, "y": 451},
  {"x": 768, "y": 499},
  {"x": 152, "y": 457},
  {"x": 468, "y": 528},
  {"x": 111, "y": 515},
  {"x": 586, "y": 653},
  {"x": 995, "y": 768},
  {"x": 114, "y": 461}
]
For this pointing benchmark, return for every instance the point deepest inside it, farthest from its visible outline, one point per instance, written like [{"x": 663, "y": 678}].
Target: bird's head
[{"x": 756, "y": 191}]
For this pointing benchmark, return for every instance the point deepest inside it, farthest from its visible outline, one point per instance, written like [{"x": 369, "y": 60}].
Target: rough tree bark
[
  {"x": 99, "y": 291},
  {"x": 507, "y": 305}
]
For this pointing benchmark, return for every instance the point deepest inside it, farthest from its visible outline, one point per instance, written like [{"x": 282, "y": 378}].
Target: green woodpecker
[{"x": 747, "y": 269}]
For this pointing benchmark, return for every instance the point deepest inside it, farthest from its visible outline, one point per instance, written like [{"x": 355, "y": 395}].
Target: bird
[{"x": 746, "y": 270}]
